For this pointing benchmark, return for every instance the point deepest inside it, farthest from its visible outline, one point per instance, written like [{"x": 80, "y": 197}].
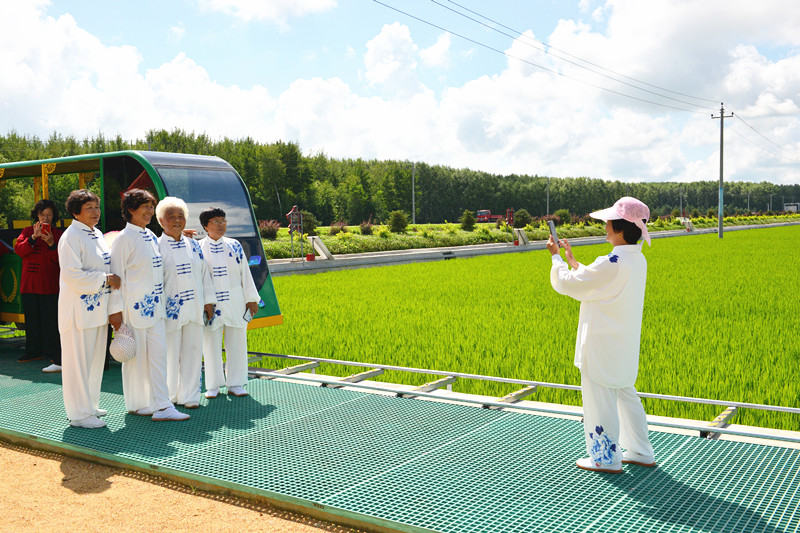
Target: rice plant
[{"x": 720, "y": 321}]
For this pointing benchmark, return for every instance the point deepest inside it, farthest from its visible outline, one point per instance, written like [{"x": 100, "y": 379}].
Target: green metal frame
[{"x": 269, "y": 314}]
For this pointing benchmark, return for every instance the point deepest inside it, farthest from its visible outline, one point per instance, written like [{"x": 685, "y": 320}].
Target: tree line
[{"x": 279, "y": 176}]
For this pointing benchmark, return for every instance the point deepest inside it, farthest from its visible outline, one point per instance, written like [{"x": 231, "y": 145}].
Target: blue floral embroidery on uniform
[
  {"x": 236, "y": 251},
  {"x": 174, "y": 307},
  {"x": 613, "y": 258},
  {"x": 91, "y": 301},
  {"x": 147, "y": 306},
  {"x": 603, "y": 448},
  {"x": 197, "y": 249}
]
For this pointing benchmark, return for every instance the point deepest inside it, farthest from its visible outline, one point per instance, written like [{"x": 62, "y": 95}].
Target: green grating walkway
[{"x": 413, "y": 465}]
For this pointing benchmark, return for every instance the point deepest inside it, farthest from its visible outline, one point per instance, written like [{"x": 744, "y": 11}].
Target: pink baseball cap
[{"x": 630, "y": 209}]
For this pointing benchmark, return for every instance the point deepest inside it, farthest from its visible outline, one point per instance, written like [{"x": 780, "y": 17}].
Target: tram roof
[{"x": 91, "y": 162}]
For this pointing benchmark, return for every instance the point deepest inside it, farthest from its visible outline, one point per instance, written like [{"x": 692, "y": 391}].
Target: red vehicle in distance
[{"x": 485, "y": 215}]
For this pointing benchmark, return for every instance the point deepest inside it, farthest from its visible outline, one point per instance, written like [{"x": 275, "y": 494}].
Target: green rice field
[{"x": 721, "y": 320}]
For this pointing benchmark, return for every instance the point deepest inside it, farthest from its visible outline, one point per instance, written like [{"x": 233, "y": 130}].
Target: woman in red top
[{"x": 37, "y": 246}]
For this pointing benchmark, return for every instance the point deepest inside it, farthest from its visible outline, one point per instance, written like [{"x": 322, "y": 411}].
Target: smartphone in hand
[
  {"x": 248, "y": 316},
  {"x": 553, "y": 233},
  {"x": 45, "y": 227}
]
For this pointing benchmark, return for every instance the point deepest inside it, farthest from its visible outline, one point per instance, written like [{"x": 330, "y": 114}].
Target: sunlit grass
[{"x": 720, "y": 321}]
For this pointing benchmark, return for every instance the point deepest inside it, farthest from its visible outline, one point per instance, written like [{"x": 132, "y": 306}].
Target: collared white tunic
[
  {"x": 187, "y": 281},
  {"x": 85, "y": 260},
  {"x": 233, "y": 282},
  {"x": 611, "y": 292},
  {"x": 135, "y": 257}
]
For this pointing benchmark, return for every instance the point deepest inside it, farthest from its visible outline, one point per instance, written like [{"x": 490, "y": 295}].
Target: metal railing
[{"x": 703, "y": 429}]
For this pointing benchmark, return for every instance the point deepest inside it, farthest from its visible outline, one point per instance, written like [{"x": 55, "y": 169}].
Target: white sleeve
[
  {"x": 249, "y": 286},
  {"x": 586, "y": 283},
  {"x": 119, "y": 259},
  {"x": 72, "y": 271}
]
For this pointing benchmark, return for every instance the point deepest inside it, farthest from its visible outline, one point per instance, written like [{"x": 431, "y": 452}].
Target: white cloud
[
  {"x": 437, "y": 55},
  {"x": 277, "y": 11},
  {"x": 177, "y": 31},
  {"x": 521, "y": 119},
  {"x": 391, "y": 60}
]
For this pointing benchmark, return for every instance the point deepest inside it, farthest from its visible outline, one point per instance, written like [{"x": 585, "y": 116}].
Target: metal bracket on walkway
[
  {"x": 521, "y": 236},
  {"x": 320, "y": 247},
  {"x": 355, "y": 378},
  {"x": 432, "y": 385},
  {"x": 293, "y": 369},
  {"x": 514, "y": 397},
  {"x": 722, "y": 421}
]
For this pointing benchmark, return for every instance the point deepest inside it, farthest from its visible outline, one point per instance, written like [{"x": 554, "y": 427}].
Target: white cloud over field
[{"x": 520, "y": 119}]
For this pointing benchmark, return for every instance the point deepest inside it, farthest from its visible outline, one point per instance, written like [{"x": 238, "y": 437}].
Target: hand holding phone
[
  {"x": 553, "y": 233},
  {"x": 248, "y": 316},
  {"x": 45, "y": 227}
]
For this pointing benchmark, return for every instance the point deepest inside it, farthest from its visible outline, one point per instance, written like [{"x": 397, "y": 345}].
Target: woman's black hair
[
  {"x": 133, "y": 200},
  {"x": 630, "y": 231},
  {"x": 76, "y": 200},
  {"x": 40, "y": 206},
  {"x": 208, "y": 214}
]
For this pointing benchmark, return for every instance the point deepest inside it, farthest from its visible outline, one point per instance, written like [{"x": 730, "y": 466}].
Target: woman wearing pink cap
[{"x": 611, "y": 292}]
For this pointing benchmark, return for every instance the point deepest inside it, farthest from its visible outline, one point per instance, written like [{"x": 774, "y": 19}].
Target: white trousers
[
  {"x": 235, "y": 356},
  {"x": 184, "y": 362},
  {"x": 144, "y": 378},
  {"x": 83, "y": 354},
  {"x": 613, "y": 418}
]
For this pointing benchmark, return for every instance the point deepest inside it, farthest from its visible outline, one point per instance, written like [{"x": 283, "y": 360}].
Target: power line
[
  {"x": 789, "y": 158},
  {"x": 548, "y": 45},
  {"x": 534, "y": 64},
  {"x": 792, "y": 153}
]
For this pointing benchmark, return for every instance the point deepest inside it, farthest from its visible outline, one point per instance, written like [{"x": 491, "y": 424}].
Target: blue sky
[{"x": 354, "y": 78}]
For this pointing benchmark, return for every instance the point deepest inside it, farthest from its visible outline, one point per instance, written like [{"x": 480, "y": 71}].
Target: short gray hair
[{"x": 168, "y": 203}]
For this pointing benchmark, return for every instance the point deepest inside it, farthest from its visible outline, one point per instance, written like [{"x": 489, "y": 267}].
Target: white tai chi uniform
[
  {"x": 611, "y": 292},
  {"x": 83, "y": 317},
  {"x": 187, "y": 288},
  {"x": 234, "y": 287},
  {"x": 137, "y": 261}
]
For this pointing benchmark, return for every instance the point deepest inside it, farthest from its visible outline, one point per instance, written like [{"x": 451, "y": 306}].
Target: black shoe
[{"x": 27, "y": 358}]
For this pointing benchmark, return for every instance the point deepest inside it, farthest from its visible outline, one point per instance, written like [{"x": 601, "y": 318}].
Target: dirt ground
[{"x": 44, "y": 492}]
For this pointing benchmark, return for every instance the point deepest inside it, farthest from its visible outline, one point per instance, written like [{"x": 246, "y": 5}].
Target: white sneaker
[
  {"x": 192, "y": 405},
  {"x": 588, "y": 464},
  {"x": 100, "y": 412},
  {"x": 52, "y": 369},
  {"x": 237, "y": 391},
  {"x": 212, "y": 393},
  {"x": 633, "y": 458},
  {"x": 170, "y": 413},
  {"x": 144, "y": 411},
  {"x": 90, "y": 422}
]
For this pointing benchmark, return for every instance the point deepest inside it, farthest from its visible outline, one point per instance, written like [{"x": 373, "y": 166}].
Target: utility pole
[
  {"x": 722, "y": 116},
  {"x": 413, "y": 194},
  {"x": 548, "y": 195}
]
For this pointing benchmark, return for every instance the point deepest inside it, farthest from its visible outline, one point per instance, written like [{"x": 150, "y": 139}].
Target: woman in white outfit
[
  {"x": 140, "y": 304},
  {"x": 611, "y": 292},
  {"x": 85, "y": 282},
  {"x": 189, "y": 296},
  {"x": 236, "y": 296}
]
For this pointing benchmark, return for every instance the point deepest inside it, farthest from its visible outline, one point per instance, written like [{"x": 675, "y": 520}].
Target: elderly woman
[
  {"x": 37, "y": 246},
  {"x": 237, "y": 302},
  {"x": 86, "y": 281},
  {"x": 189, "y": 300},
  {"x": 140, "y": 304}
]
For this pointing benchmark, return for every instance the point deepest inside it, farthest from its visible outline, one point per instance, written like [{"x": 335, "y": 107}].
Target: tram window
[{"x": 203, "y": 188}]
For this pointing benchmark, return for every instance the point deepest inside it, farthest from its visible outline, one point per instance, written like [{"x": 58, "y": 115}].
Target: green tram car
[{"x": 201, "y": 181}]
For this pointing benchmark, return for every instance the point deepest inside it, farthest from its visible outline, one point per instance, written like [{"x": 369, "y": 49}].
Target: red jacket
[{"x": 39, "y": 262}]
